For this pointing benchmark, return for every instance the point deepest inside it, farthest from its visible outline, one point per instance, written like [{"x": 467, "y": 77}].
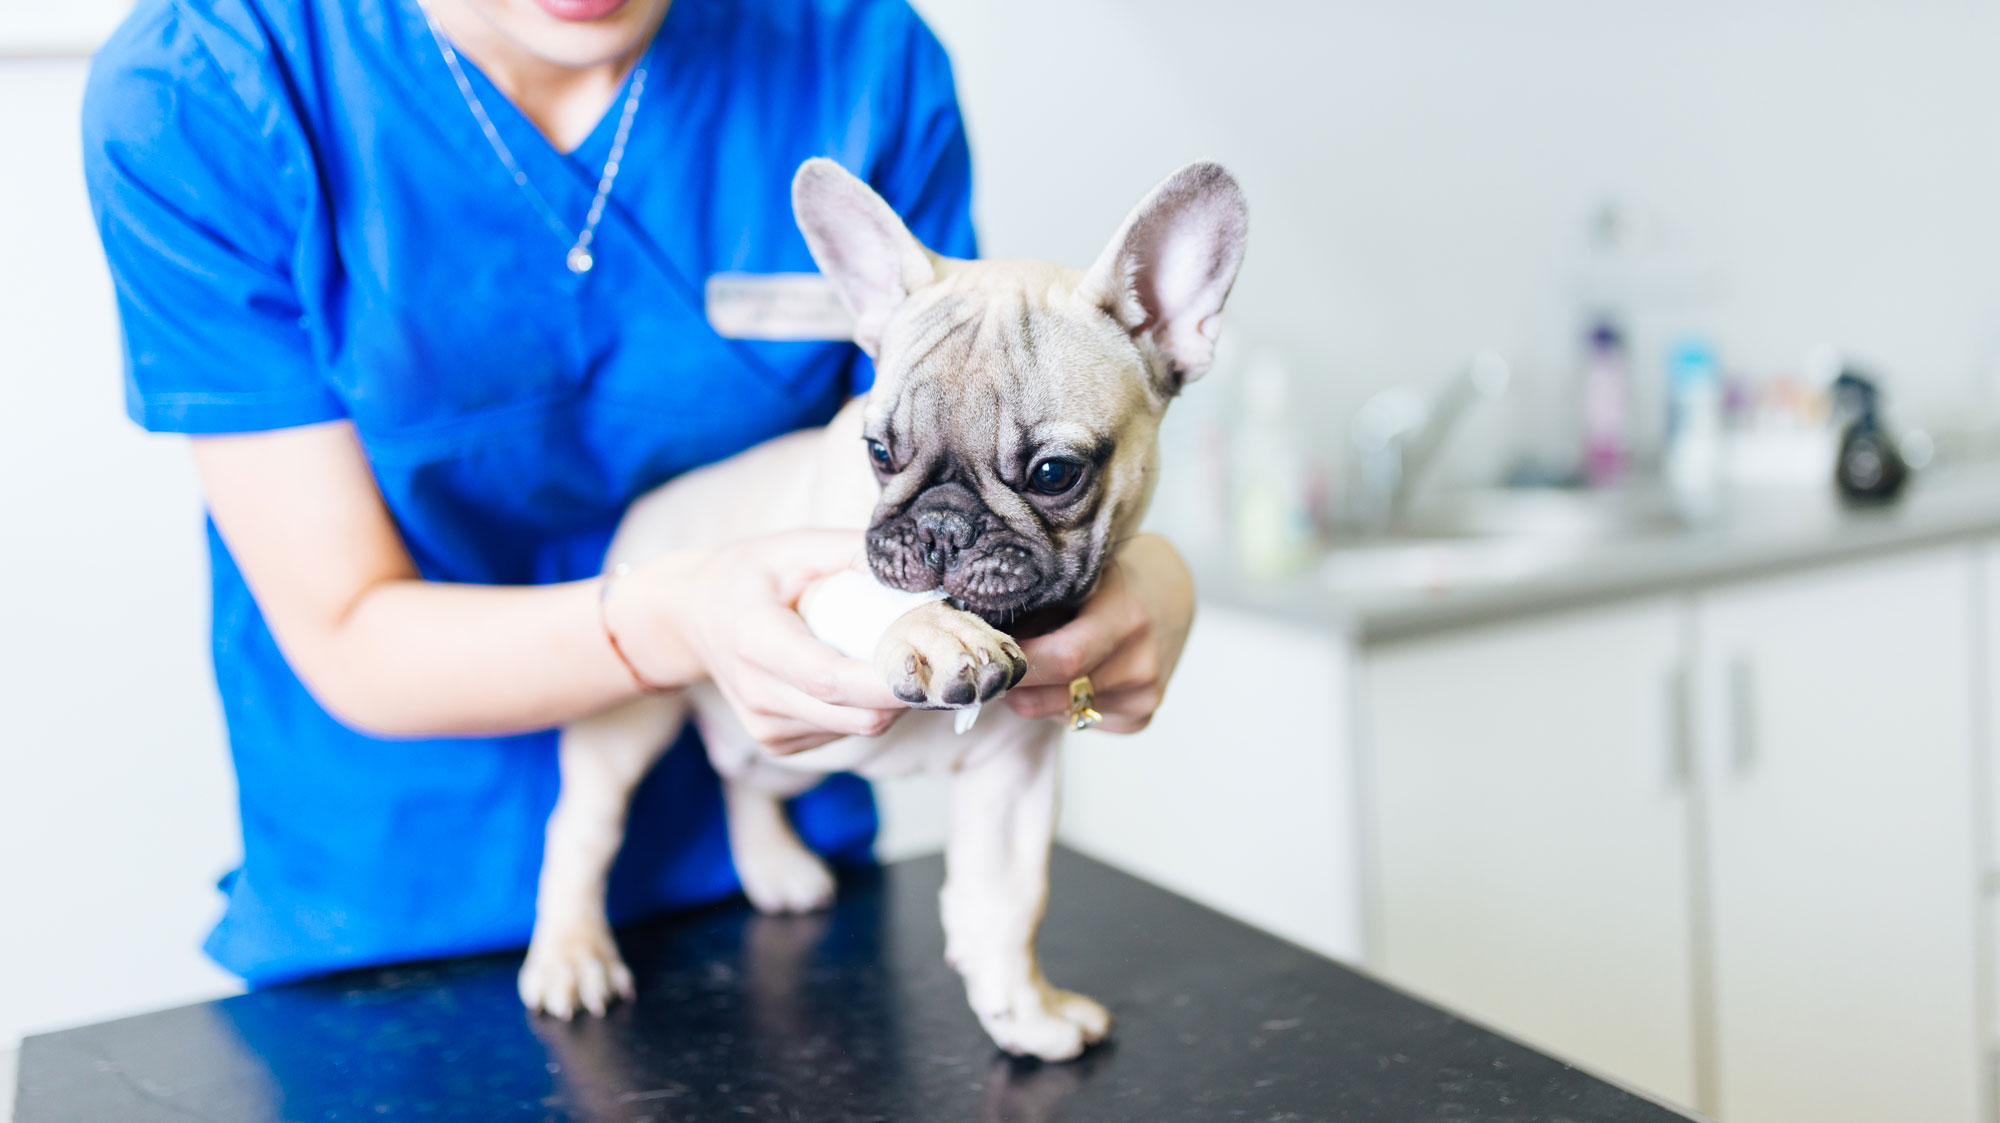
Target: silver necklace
[{"x": 579, "y": 258}]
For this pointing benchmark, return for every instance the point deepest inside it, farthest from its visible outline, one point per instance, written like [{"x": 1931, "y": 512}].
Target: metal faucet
[{"x": 1398, "y": 434}]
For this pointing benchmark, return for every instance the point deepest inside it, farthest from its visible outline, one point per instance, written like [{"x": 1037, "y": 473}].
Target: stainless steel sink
[
  {"x": 1542, "y": 513},
  {"x": 1489, "y": 536}
]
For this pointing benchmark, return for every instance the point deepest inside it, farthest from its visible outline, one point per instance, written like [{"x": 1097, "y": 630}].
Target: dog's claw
[{"x": 1017, "y": 661}]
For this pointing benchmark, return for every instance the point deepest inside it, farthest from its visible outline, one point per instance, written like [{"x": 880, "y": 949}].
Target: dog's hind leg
[
  {"x": 573, "y": 961},
  {"x": 1003, "y": 818},
  {"x": 779, "y": 873}
]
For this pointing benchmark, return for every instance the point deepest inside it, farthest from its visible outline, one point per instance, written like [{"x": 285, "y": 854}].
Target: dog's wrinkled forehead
[{"x": 1000, "y": 359}]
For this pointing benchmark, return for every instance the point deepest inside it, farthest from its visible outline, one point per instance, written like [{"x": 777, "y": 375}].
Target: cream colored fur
[{"x": 1121, "y": 353}]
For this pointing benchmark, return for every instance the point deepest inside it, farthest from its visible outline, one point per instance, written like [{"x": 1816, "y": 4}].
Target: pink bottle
[{"x": 1607, "y": 448}]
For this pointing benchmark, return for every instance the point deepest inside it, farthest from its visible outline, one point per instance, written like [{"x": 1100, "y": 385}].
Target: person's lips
[{"x": 580, "y": 10}]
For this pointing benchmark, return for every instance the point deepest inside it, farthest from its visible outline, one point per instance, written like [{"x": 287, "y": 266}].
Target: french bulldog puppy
[{"x": 1008, "y": 447}]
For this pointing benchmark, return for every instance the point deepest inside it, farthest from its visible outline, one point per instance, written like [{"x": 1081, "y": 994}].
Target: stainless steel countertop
[{"x": 1754, "y": 533}]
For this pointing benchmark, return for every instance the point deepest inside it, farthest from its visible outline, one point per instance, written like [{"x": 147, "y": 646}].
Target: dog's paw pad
[
  {"x": 994, "y": 679},
  {"x": 575, "y": 969},
  {"x": 961, "y": 690}
]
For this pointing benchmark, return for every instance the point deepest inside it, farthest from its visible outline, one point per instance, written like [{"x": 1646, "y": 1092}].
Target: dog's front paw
[
  {"x": 575, "y": 966},
  {"x": 1044, "y": 1022},
  {"x": 938, "y": 657}
]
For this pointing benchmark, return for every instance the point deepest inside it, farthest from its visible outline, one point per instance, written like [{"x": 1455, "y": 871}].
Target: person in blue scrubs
[{"x": 425, "y": 284}]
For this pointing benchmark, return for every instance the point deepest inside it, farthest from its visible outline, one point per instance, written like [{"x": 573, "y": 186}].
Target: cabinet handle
[
  {"x": 1742, "y": 714},
  {"x": 1680, "y": 727}
]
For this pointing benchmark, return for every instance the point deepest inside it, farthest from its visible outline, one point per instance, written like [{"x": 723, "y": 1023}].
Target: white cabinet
[
  {"x": 1240, "y": 794},
  {"x": 1837, "y": 752},
  {"x": 1531, "y": 794},
  {"x": 1988, "y": 594},
  {"x": 1770, "y": 909}
]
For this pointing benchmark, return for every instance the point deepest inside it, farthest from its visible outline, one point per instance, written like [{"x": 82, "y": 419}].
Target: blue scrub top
[{"x": 304, "y": 223}]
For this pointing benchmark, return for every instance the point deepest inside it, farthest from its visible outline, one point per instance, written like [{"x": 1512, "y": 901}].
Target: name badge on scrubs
[{"x": 777, "y": 306}]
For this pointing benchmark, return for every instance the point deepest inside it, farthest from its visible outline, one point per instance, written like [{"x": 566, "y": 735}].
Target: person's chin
[{"x": 584, "y": 33}]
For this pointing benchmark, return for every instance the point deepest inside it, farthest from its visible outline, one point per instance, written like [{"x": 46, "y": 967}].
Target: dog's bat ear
[
  {"x": 1169, "y": 268},
  {"x": 858, "y": 241}
]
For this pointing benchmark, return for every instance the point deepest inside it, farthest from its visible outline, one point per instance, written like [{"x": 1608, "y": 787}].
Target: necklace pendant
[{"x": 580, "y": 260}]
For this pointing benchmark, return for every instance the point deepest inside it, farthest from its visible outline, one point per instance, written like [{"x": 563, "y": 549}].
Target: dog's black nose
[{"x": 941, "y": 534}]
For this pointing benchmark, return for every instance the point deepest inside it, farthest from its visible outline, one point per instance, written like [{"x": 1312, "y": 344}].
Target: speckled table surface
[{"x": 848, "y": 1015}]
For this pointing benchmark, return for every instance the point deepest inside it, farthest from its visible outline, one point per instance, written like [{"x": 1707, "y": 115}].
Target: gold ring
[{"x": 1081, "y": 716}]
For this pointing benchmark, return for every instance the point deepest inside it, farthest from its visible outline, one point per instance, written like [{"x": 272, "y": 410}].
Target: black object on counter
[
  {"x": 847, "y": 1015},
  {"x": 1869, "y": 468}
]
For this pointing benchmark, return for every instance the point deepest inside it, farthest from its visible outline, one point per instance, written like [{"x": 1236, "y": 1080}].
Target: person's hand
[
  {"x": 1127, "y": 638},
  {"x": 730, "y": 615}
]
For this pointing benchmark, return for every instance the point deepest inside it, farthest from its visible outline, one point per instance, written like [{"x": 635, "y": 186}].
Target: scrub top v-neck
[{"x": 305, "y": 223}]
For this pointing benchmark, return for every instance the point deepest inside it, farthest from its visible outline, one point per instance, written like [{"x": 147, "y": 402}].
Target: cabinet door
[
  {"x": 1837, "y": 718},
  {"x": 1531, "y": 866},
  {"x": 1240, "y": 793}
]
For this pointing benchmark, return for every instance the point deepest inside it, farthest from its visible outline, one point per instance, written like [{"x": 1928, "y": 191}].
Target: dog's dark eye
[
  {"x": 879, "y": 453},
  {"x": 1053, "y": 477}
]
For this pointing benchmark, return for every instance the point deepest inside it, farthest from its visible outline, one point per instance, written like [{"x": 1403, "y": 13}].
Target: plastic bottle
[
  {"x": 1193, "y": 503},
  {"x": 1694, "y": 429},
  {"x": 1607, "y": 450},
  {"x": 1273, "y": 518}
]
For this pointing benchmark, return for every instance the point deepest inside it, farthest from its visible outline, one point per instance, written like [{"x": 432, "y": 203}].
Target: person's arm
[{"x": 391, "y": 653}]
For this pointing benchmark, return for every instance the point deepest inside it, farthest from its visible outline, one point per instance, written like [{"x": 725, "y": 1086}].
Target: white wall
[
  {"x": 116, "y": 804},
  {"x": 1420, "y": 173},
  {"x": 63, "y": 30}
]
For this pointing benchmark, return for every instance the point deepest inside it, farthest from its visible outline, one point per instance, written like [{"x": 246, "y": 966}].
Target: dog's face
[{"x": 1014, "y": 421}]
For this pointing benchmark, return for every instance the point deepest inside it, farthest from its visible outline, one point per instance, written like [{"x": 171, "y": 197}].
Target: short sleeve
[
  {"x": 924, "y": 167},
  {"x": 200, "y": 218},
  {"x": 925, "y": 171}
]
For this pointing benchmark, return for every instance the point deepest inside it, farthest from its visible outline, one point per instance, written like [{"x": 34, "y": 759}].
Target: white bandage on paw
[{"x": 850, "y": 611}]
